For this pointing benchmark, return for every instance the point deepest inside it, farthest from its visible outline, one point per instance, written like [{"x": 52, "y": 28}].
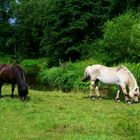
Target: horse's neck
[
  {"x": 19, "y": 78},
  {"x": 132, "y": 83}
]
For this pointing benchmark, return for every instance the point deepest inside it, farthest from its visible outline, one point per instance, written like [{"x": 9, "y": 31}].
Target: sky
[{"x": 13, "y": 20}]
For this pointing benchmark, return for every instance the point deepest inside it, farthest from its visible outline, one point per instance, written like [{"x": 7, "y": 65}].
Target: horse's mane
[
  {"x": 129, "y": 72},
  {"x": 21, "y": 71}
]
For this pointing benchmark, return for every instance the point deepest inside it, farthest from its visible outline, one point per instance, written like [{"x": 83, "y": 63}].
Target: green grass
[{"x": 60, "y": 116}]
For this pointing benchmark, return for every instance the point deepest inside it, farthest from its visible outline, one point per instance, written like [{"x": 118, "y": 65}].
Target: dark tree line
[{"x": 61, "y": 30}]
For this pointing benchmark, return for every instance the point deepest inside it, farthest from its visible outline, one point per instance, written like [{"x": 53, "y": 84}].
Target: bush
[
  {"x": 5, "y": 59},
  {"x": 66, "y": 77},
  {"x": 51, "y": 77},
  {"x": 121, "y": 40},
  {"x": 32, "y": 68}
]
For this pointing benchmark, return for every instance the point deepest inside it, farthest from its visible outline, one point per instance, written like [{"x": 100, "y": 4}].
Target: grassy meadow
[{"x": 67, "y": 116}]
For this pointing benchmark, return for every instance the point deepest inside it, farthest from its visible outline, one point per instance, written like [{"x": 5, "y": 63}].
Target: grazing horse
[
  {"x": 119, "y": 76},
  {"x": 14, "y": 75}
]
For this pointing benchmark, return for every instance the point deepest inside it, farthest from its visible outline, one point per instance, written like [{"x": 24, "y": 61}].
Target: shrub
[
  {"x": 5, "y": 59},
  {"x": 32, "y": 68},
  {"x": 66, "y": 77},
  {"x": 120, "y": 40},
  {"x": 51, "y": 77}
]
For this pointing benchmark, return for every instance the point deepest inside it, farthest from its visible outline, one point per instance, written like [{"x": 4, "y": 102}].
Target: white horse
[{"x": 119, "y": 76}]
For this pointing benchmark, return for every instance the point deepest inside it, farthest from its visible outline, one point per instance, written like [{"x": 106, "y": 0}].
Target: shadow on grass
[{"x": 107, "y": 94}]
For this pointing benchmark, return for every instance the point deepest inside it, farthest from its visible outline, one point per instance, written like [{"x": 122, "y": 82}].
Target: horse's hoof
[
  {"x": 93, "y": 98},
  {"x": 129, "y": 103},
  {"x": 117, "y": 99},
  {"x": 90, "y": 97}
]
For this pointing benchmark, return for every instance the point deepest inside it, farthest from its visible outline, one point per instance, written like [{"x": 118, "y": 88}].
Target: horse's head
[
  {"x": 23, "y": 90},
  {"x": 20, "y": 79},
  {"x": 134, "y": 94}
]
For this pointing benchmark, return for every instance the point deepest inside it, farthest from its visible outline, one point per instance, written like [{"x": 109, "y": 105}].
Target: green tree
[
  {"x": 69, "y": 23},
  {"x": 29, "y": 26},
  {"x": 5, "y": 27},
  {"x": 118, "y": 7},
  {"x": 61, "y": 30},
  {"x": 120, "y": 39},
  {"x": 72, "y": 23}
]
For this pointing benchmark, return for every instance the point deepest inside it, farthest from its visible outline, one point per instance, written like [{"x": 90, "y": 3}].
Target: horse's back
[
  {"x": 109, "y": 75},
  {"x": 4, "y": 68},
  {"x": 6, "y": 73}
]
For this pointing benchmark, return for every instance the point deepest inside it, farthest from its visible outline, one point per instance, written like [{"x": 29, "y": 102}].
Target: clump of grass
[{"x": 130, "y": 127}]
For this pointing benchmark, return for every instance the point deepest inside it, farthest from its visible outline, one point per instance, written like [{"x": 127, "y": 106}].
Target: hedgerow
[{"x": 68, "y": 76}]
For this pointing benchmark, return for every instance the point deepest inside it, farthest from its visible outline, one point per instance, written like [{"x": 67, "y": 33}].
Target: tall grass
[{"x": 68, "y": 76}]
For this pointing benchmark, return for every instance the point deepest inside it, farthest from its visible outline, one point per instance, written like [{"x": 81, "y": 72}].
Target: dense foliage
[
  {"x": 5, "y": 27},
  {"x": 61, "y": 30},
  {"x": 68, "y": 76},
  {"x": 121, "y": 40}
]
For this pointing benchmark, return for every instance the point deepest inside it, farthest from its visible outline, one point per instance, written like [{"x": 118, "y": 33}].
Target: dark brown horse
[{"x": 13, "y": 75}]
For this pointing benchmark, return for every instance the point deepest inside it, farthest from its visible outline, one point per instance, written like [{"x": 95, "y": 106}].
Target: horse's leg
[
  {"x": 127, "y": 100},
  {"x": 117, "y": 98},
  {"x": 91, "y": 89},
  {"x": 13, "y": 87},
  {"x": 1, "y": 83},
  {"x": 97, "y": 89}
]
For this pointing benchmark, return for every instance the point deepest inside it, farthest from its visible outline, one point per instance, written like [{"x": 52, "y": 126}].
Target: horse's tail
[{"x": 86, "y": 76}]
